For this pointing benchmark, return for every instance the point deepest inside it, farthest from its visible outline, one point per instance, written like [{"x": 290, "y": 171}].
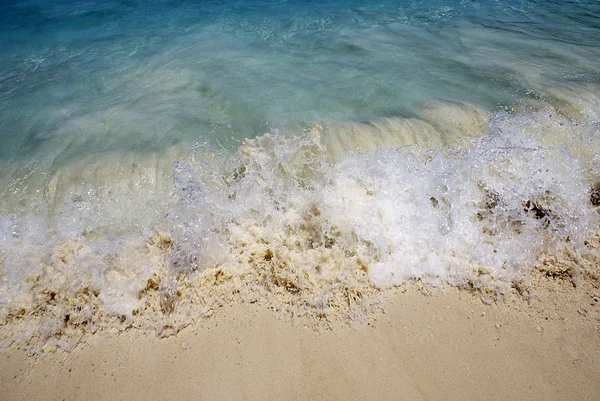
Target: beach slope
[{"x": 444, "y": 345}]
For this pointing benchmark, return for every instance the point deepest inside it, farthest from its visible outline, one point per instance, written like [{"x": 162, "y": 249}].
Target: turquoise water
[
  {"x": 161, "y": 158},
  {"x": 83, "y": 76}
]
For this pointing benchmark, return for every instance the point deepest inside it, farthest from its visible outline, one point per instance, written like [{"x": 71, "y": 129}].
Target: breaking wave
[{"x": 316, "y": 223}]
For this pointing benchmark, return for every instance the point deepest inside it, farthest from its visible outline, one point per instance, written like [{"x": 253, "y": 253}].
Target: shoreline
[
  {"x": 448, "y": 344},
  {"x": 275, "y": 220}
]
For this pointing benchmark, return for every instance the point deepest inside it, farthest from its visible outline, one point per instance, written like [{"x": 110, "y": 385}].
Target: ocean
[{"x": 160, "y": 159}]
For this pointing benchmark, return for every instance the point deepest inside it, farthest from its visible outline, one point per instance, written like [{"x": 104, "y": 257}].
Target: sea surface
[{"x": 159, "y": 159}]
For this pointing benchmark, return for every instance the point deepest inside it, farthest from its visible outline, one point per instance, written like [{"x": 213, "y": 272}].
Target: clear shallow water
[
  {"x": 305, "y": 152},
  {"x": 80, "y": 77}
]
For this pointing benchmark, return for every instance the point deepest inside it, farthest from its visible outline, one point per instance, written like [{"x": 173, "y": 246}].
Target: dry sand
[{"x": 442, "y": 346}]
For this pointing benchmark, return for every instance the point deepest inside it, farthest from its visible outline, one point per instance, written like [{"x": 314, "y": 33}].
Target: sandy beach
[{"x": 426, "y": 345}]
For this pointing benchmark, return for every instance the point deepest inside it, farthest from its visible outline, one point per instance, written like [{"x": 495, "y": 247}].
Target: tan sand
[{"x": 442, "y": 346}]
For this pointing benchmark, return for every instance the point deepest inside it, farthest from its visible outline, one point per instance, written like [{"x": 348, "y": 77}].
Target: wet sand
[{"x": 442, "y": 345}]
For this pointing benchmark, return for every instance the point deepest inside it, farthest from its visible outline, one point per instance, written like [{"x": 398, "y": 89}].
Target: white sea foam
[
  {"x": 490, "y": 208},
  {"x": 315, "y": 222}
]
